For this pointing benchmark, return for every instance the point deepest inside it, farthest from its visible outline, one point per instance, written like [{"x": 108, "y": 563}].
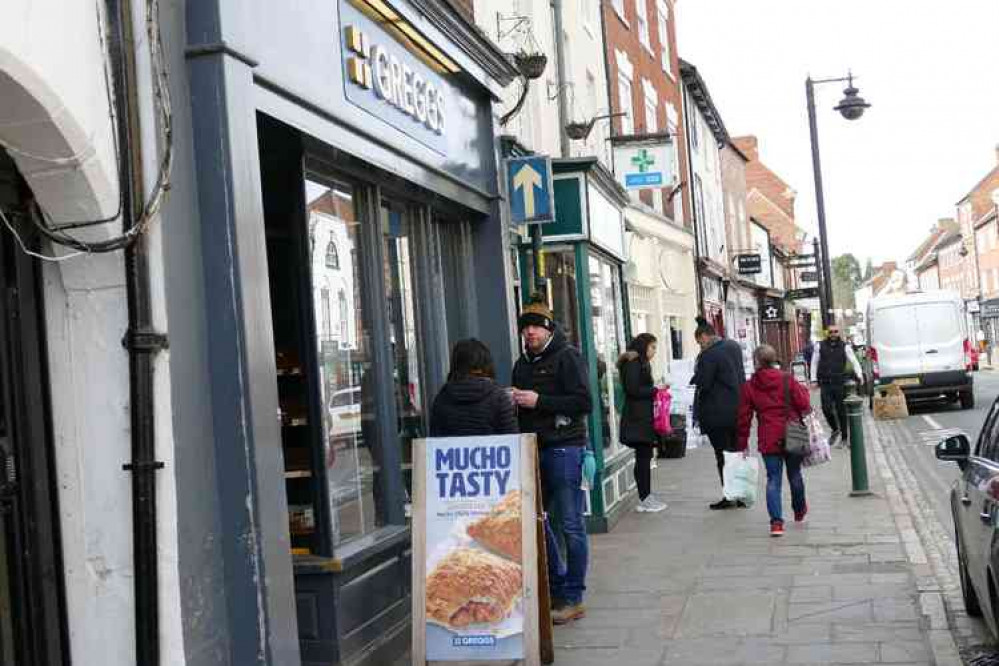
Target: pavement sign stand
[{"x": 464, "y": 495}]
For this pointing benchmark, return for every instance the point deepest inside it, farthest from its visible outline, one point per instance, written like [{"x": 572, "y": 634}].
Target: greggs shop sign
[{"x": 393, "y": 72}]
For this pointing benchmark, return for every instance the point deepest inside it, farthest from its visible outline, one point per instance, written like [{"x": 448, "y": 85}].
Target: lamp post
[{"x": 851, "y": 107}]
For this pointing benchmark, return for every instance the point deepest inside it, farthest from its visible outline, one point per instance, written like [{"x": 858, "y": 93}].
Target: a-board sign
[{"x": 475, "y": 549}]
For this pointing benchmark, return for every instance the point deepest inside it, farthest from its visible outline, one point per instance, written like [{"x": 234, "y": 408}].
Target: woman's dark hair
[
  {"x": 704, "y": 328},
  {"x": 471, "y": 358},
  {"x": 640, "y": 343}
]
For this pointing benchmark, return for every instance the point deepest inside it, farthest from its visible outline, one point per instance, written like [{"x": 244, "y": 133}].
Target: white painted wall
[
  {"x": 55, "y": 123},
  {"x": 585, "y": 86},
  {"x": 706, "y": 165}
]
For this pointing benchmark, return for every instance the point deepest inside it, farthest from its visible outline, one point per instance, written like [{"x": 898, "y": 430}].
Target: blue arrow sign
[{"x": 529, "y": 182}]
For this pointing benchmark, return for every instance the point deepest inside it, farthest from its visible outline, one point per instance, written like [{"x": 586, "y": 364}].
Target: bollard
[{"x": 858, "y": 454}]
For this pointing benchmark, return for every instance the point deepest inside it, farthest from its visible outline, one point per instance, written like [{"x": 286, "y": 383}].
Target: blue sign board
[
  {"x": 529, "y": 182},
  {"x": 639, "y": 180},
  {"x": 383, "y": 77}
]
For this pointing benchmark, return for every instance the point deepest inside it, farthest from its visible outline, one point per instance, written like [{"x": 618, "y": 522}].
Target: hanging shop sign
[
  {"x": 749, "y": 264},
  {"x": 475, "y": 550},
  {"x": 801, "y": 294},
  {"x": 809, "y": 276},
  {"x": 773, "y": 309},
  {"x": 642, "y": 165},
  {"x": 395, "y": 74}
]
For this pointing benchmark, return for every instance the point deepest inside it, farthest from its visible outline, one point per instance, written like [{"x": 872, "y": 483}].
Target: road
[{"x": 928, "y": 423}]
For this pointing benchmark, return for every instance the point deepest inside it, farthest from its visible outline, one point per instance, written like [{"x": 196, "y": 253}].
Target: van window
[
  {"x": 939, "y": 323},
  {"x": 896, "y": 324}
]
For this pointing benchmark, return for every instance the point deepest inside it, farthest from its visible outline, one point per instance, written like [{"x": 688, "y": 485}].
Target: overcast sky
[{"x": 928, "y": 68}]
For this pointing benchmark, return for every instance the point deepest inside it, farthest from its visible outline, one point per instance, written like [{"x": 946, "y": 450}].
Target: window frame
[
  {"x": 627, "y": 121},
  {"x": 662, "y": 26},
  {"x": 642, "y": 25}
]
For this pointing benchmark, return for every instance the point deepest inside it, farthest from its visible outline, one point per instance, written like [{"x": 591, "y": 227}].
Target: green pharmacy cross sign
[{"x": 643, "y": 160}]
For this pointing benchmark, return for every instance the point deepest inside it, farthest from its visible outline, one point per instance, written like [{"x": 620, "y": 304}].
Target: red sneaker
[
  {"x": 776, "y": 528},
  {"x": 799, "y": 516}
]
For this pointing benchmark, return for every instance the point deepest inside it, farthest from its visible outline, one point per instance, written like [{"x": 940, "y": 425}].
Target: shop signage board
[
  {"x": 773, "y": 309},
  {"x": 749, "y": 264},
  {"x": 474, "y": 524},
  {"x": 386, "y": 75},
  {"x": 532, "y": 195},
  {"x": 989, "y": 310},
  {"x": 809, "y": 276},
  {"x": 643, "y": 165},
  {"x": 807, "y": 292}
]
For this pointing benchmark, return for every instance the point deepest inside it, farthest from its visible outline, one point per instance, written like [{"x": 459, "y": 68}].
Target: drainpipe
[
  {"x": 141, "y": 341},
  {"x": 563, "y": 107},
  {"x": 698, "y": 287}
]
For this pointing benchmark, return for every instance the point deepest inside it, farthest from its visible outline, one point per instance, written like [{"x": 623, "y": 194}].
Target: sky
[{"x": 929, "y": 70}]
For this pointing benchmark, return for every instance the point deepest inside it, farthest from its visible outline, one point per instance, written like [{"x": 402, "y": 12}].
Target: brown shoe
[{"x": 568, "y": 613}]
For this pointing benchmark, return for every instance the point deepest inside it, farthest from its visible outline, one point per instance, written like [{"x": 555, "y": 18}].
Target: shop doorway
[{"x": 32, "y": 620}]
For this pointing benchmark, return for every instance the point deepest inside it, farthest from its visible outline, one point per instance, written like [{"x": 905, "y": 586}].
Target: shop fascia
[{"x": 377, "y": 67}]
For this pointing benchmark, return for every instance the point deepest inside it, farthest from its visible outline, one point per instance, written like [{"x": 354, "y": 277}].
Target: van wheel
[{"x": 968, "y": 400}]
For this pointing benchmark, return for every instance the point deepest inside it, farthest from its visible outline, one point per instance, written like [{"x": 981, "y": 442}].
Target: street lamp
[{"x": 851, "y": 107}]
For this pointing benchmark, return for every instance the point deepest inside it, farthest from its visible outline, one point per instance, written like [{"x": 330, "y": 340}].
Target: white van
[{"x": 920, "y": 342}]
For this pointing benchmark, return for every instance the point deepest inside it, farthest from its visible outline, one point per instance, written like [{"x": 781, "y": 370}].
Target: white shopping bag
[
  {"x": 742, "y": 475},
  {"x": 818, "y": 444}
]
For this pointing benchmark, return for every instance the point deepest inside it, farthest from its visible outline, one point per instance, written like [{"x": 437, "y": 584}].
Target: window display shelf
[{"x": 298, "y": 474}]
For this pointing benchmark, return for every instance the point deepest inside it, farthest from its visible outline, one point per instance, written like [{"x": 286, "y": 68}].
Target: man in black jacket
[
  {"x": 832, "y": 358},
  {"x": 719, "y": 376},
  {"x": 551, "y": 390}
]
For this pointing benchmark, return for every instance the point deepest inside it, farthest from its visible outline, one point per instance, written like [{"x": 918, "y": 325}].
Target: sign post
[{"x": 475, "y": 550}]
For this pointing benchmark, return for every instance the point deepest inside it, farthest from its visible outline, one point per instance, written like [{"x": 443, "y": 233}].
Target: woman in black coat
[
  {"x": 636, "y": 431},
  {"x": 471, "y": 403}
]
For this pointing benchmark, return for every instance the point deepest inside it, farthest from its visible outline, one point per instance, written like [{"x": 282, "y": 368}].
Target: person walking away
[
  {"x": 807, "y": 353},
  {"x": 551, "y": 390},
  {"x": 471, "y": 403},
  {"x": 719, "y": 375},
  {"x": 636, "y": 432},
  {"x": 829, "y": 374},
  {"x": 774, "y": 397}
]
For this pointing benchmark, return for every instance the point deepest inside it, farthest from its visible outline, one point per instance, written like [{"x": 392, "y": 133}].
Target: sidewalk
[{"x": 691, "y": 586}]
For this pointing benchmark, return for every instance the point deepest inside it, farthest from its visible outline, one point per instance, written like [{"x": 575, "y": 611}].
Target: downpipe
[{"x": 141, "y": 341}]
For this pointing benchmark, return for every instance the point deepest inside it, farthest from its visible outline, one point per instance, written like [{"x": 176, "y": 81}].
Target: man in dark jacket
[
  {"x": 552, "y": 393},
  {"x": 719, "y": 375},
  {"x": 831, "y": 361}
]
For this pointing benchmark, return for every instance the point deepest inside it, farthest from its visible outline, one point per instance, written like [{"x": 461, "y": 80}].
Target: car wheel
[
  {"x": 971, "y": 605},
  {"x": 968, "y": 400}
]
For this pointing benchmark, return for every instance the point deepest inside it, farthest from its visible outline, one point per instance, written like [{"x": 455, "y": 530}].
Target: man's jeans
[
  {"x": 561, "y": 476},
  {"x": 775, "y": 465},
  {"x": 834, "y": 408}
]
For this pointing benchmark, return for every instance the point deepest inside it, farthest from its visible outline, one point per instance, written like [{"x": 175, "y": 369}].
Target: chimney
[{"x": 749, "y": 145}]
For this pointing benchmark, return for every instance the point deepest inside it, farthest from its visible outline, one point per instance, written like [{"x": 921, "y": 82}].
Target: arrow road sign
[{"x": 529, "y": 181}]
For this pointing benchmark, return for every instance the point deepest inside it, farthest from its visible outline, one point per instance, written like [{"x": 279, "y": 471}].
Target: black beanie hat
[{"x": 536, "y": 313}]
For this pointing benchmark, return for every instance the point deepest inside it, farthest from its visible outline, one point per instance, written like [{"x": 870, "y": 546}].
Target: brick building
[
  {"x": 643, "y": 74},
  {"x": 976, "y": 216},
  {"x": 643, "y": 82}
]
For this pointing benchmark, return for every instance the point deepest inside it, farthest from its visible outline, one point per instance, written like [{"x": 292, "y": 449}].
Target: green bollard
[{"x": 858, "y": 454}]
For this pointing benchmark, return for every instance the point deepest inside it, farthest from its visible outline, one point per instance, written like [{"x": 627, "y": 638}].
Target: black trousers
[
  {"x": 722, "y": 440},
  {"x": 833, "y": 407},
  {"x": 643, "y": 469}
]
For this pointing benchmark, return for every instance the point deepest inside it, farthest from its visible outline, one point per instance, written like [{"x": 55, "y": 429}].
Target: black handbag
[{"x": 796, "y": 436}]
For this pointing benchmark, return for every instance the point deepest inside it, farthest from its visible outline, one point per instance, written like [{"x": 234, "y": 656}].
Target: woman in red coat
[{"x": 764, "y": 396}]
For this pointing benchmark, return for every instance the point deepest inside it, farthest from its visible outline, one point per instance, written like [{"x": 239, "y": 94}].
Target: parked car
[
  {"x": 974, "y": 502},
  {"x": 920, "y": 343}
]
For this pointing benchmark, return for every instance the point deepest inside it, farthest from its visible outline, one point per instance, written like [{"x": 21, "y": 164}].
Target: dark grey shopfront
[{"x": 352, "y": 231}]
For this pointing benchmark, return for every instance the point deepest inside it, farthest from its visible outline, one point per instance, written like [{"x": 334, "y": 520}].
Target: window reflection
[
  {"x": 605, "y": 296},
  {"x": 352, "y": 450},
  {"x": 408, "y": 387}
]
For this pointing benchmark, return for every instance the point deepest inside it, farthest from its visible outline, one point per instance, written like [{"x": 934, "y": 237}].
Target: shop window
[
  {"x": 351, "y": 450},
  {"x": 560, "y": 272},
  {"x": 403, "y": 331},
  {"x": 608, "y": 342}
]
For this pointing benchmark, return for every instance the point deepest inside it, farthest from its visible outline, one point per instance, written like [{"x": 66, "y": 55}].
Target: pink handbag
[{"x": 661, "y": 403}]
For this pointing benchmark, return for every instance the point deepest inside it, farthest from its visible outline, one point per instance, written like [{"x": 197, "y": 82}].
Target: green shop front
[{"x": 581, "y": 263}]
